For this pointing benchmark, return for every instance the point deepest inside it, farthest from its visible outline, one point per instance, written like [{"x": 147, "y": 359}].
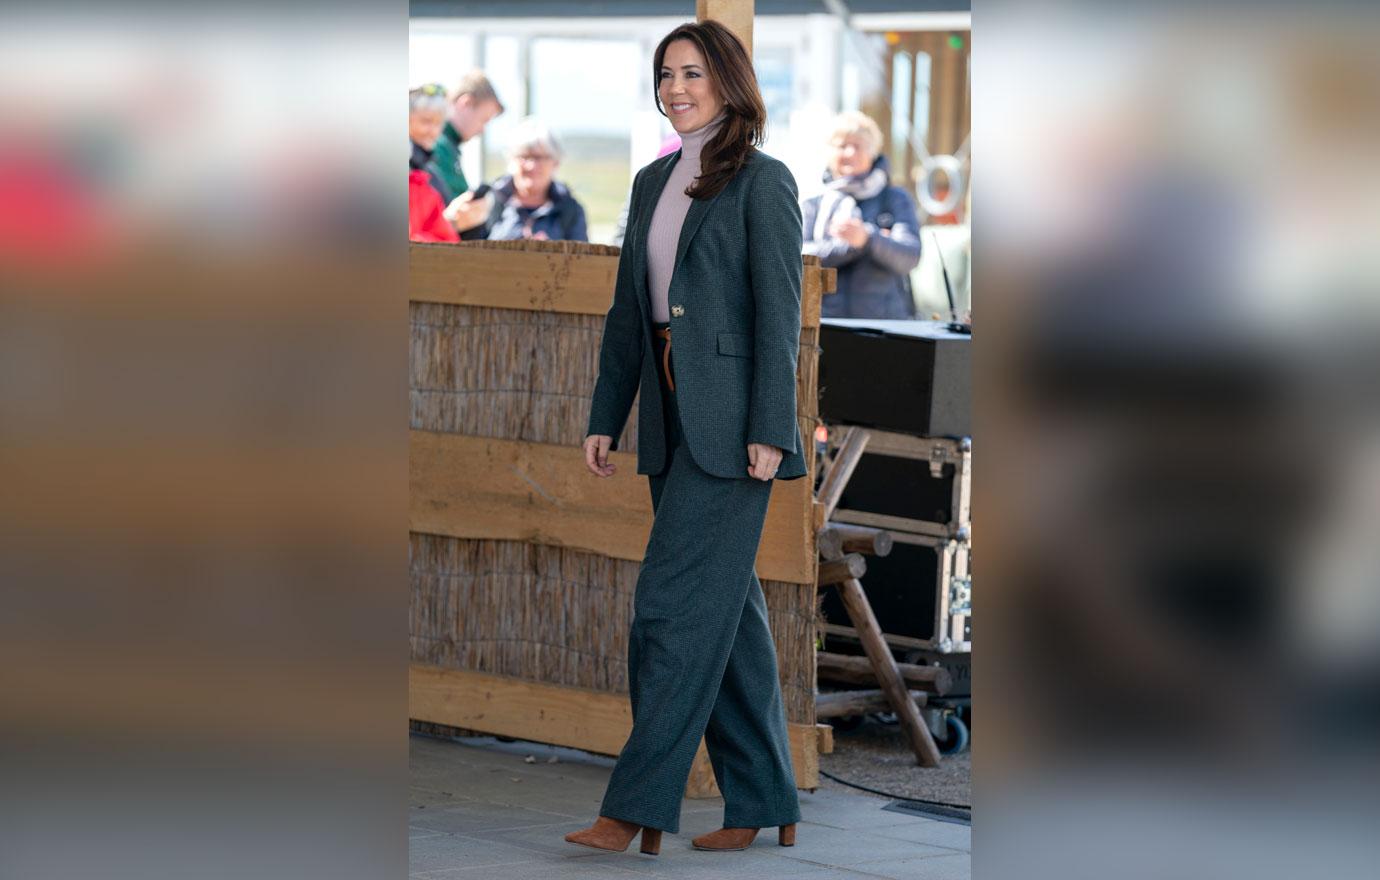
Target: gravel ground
[{"x": 878, "y": 756}]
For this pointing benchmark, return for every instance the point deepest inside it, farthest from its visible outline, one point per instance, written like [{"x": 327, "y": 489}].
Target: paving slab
[{"x": 478, "y": 808}]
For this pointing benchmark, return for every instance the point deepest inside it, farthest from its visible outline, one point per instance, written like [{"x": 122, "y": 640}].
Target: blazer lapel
[
  {"x": 693, "y": 218},
  {"x": 655, "y": 184}
]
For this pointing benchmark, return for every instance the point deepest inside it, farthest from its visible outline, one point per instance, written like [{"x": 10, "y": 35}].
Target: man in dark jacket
[{"x": 863, "y": 226}]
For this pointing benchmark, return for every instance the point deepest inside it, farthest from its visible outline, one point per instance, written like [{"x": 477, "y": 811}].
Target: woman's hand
[
  {"x": 850, "y": 230},
  {"x": 597, "y": 455},
  {"x": 763, "y": 460},
  {"x": 466, "y": 212}
]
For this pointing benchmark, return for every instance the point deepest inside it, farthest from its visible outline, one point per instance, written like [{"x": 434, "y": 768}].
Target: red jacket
[{"x": 425, "y": 222}]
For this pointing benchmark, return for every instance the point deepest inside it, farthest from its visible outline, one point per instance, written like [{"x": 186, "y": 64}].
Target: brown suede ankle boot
[
  {"x": 615, "y": 835},
  {"x": 740, "y": 838}
]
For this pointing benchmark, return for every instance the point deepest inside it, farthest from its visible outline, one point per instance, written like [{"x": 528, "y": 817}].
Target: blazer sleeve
[
  {"x": 775, "y": 268},
  {"x": 620, "y": 351}
]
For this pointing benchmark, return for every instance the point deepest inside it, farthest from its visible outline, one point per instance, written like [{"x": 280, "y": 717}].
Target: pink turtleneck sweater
[{"x": 663, "y": 235}]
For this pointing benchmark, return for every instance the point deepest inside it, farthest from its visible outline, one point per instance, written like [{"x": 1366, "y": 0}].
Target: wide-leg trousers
[{"x": 701, "y": 661}]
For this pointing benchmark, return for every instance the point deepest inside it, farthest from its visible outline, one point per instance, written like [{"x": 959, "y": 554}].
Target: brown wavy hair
[{"x": 735, "y": 81}]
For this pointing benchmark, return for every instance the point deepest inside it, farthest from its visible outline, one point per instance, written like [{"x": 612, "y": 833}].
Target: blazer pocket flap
[{"x": 737, "y": 344}]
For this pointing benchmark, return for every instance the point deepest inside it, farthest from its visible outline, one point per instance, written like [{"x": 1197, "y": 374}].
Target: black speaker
[{"x": 911, "y": 377}]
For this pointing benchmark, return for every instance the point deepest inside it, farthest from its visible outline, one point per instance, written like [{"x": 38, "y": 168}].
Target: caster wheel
[{"x": 955, "y": 739}]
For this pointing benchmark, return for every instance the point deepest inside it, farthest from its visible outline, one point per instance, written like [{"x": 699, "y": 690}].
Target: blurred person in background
[
  {"x": 474, "y": 106},
  {"x": 863, "y": 226},
  {"x": 528, "y": 201},
  {"x": 426, "y": 114}
]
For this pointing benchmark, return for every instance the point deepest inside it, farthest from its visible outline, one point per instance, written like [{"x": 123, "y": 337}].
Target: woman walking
[{"x": 711, "y": 259}]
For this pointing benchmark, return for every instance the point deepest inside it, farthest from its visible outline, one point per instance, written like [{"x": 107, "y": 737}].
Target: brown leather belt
[{"x": 665, "y": 333}]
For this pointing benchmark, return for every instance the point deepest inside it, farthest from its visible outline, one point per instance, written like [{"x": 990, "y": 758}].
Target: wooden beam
[
  {"x": 595, "y": 721},
  {"x": 736, "y": 15},
  {"x": 902, "y": 642},
  {"x": 851, "y": 669},
  {"x": 574, "y": 283},
  {"x": 860, "y": 539},
  {"x": 580, "y": 284},
  {"x": 838, "y": 570},
  {"x": 829, "y": 541},
  {"x": 484, "y": 487},
  {"x": 841, "y": 468}
]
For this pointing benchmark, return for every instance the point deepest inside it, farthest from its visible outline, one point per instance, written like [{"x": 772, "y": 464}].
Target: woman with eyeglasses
[
  {"x": 528, "y": 201},
  {"x": 711, "y": 260},
  {"x": 863, "y": 226}
]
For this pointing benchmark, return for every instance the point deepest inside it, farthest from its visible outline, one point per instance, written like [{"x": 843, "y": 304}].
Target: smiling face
[
  {"x": 687, "y": 94},
  {"x": 424, "y": 126},
  {"x": 532, "y": 168},
  {"x": 850, "y": 154}
]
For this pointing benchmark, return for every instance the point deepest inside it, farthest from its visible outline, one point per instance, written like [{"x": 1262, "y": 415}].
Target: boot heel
[
  {"x": 651, "y": 840},
  {"x": 785, "y": 835}
]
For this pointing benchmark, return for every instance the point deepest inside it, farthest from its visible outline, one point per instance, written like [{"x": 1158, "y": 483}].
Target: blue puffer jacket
[
  {"x": 561, "y": 218},
  {"x": 874, "y": 280}
]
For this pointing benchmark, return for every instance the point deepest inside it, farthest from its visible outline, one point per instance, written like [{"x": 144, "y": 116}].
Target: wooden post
[{"x": 736, "y": 15}]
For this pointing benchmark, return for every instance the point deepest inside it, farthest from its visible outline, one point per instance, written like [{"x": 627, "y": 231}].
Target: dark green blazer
[{"x": 735, "y": 324}]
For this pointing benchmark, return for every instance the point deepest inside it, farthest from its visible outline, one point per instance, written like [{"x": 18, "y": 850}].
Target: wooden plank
[
  {"x": 736, "y": 15},
  {"x": 824, "y": 734},
  {"x": 574, "y": 283},
  {"x": 812, "y": 289},
  {"x": 484, "y": 487},
  {"x": 580, "y": 284},
  {"x": 578, "y": 717}
]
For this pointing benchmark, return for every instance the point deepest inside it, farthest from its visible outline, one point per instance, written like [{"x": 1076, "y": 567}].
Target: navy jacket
[
  {"x": 873, "y": 280},
  {"x": 735, "y": 324},
  {"x": 562, "y": 219}
]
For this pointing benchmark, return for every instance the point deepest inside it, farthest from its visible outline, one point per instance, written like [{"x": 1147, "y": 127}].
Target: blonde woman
[{"x": 863, "y": 226}]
